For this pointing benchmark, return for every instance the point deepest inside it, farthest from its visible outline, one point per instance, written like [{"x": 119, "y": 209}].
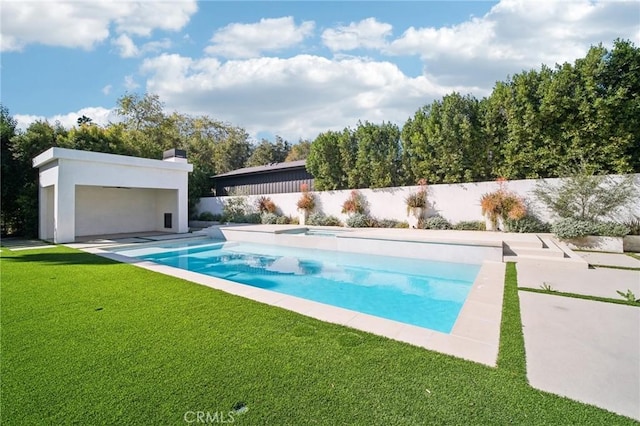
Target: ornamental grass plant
[
  {"x": 307, "y": 201},
  {"x": 502, "y": 205}
]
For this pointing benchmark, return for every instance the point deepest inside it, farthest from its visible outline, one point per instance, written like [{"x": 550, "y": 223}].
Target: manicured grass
[
  {"x": 90, "y": 341},
  {"x": 511, "y": 357},
  {"x": 580, "y": 296},
  {"x": 624, "y": 268}
]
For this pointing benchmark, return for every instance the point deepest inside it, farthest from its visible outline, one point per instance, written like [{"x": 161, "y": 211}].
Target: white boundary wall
[{"x": 455, "y": 202}]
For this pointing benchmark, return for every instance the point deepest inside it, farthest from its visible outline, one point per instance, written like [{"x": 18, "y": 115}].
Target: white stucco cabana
[{"x": 88, "y": 193}]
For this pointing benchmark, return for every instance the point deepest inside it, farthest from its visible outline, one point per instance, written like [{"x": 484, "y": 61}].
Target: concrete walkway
[
  {"x": 610, "y": 259},
  {"x": 17, "y": 244},
  {"x": 602, "y": 282},
  {"x": 582, "y": 349}
]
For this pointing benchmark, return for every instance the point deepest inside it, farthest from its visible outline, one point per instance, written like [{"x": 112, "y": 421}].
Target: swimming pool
[{"x": 424, "y": 293}]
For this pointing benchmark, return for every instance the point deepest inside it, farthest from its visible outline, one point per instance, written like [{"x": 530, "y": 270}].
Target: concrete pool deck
[
  {"x": 583, "y": 349},
  {"x": 475, "y": 335}
]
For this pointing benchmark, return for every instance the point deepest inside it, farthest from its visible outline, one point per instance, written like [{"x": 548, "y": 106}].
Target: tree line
[
  {"x": 534, "y": 124},
  {"x": 144, "y": 129}
]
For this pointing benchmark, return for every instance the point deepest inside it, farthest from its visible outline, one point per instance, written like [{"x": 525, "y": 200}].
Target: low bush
[
  {"x": 387, "y": 223},
  {"x": 572, "y": 228},
  {"x": 470, "y": 225},
  {"x": 269, "y": 218},
  {"x": 283, "y": 220},
  {"x": 358, "y": 220},
  {"x": 316, "y": 219},
  {"x": 208, "y": 217},
  {"x": 436, "y": 222},
  {"x": 633, "y": 225},
  {"x": 332, "y": 221},
  {"x": 575, "y": 228},
  {"x": 611, "y": 229},
  {"x": 527, "y": 224},
  {"x": 252, "y": 218},
  {"x": 320, "y": 219},
  {"x": 234, "y": 210}
]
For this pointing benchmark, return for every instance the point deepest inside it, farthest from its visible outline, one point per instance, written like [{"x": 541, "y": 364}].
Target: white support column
[
  {"x": 42, "y": 213},
  {"x": 183, "y": 206},
  {"x": 46, "y": 227},
  {"x": 65, "y": 210}
]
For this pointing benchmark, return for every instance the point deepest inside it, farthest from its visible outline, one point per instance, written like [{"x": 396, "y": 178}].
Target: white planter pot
[
  {"x": 593, "y": 243},
  {"x": 302, "y": 217},
  {"x": 489, "y": 225},
  {"x": 631, "y": 243},
  {"x": 414, "y": 215}
]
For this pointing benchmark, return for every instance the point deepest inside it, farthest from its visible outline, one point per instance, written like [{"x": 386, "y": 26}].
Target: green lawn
[{"x": 86, "y": 340}]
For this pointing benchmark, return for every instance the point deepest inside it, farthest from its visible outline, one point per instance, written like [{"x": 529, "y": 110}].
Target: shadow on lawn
[{"x": 62, "y": 259}]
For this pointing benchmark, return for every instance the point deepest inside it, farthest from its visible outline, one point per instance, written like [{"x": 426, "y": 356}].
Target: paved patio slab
[
  {"x": 585, "y": 350},
  {"x": 17, "y": 244},
  {"x": 602, "y": 282},
  {"x": 610, "y": 259}
]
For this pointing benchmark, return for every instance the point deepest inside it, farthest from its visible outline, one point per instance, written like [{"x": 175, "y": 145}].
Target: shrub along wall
[{"x": 455, "y": 202}]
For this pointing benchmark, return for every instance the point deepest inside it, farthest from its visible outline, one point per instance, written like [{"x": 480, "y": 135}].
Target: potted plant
[
  {"x": 265, "y": 205},
  {"x": 306, "y": 203},
  {"x": 356, "y": 203},
  {"x": 501, "y": 205},
  {"x": 416, "y": 203}
]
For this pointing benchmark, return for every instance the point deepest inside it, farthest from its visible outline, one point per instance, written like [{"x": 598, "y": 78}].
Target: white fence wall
[{"x": 455, "y": 202}]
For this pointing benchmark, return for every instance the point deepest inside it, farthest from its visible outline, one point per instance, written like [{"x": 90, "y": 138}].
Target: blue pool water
[{"x": 422, "y": 293}]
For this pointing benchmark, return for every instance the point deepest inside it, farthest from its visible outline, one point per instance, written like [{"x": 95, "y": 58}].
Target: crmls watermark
[{"x": 209, "y": 417}]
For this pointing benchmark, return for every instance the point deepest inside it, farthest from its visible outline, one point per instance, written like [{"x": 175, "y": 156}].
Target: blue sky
[{"x": 287, "y": 68}]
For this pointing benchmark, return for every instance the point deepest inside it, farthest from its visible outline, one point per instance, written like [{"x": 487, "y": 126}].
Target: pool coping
[
  {"x": 475, "y": 335},
  {"x": 384, "y": 234}
]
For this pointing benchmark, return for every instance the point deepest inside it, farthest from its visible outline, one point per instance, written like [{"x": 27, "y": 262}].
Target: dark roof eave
[{"x": 300, "y": 164}]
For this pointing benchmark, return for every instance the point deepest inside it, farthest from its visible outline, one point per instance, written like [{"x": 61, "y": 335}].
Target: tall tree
[
  {"x": 444, "y": 142},
  {"x": 267, "y": 152},
  {"x": 348, "y": 148},
  {"x": 299, "y": 151},
  {"x": 37, "y": 138},
  {"x": 324, "y": 161},
  {"x": 619, "y": 81},
  {"x": 378, "y": 159},
  {"x": 524, "y": 143},
  {"x": 10, "y": 180},
  {"x": 149, "y": 131}
]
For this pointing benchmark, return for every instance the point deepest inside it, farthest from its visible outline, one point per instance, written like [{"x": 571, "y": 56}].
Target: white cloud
[
  {"x": 516, "y": 35},
  {"x": 83, "y": 24},
  {"x": 250, "y": 40},
  {"x": 156, "y": 46},
  {"x": 130, "y": 83},
  {"x": 295, "y": 97},
  {"x": 100, "y": 116},
  {"x": 142, "y": 17},
  {"x": 106, "y": 89},
  {"x": 128, "y": 49},
  {"x": 126, "y": 46},
  {"x": 368, "y": 34}
]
